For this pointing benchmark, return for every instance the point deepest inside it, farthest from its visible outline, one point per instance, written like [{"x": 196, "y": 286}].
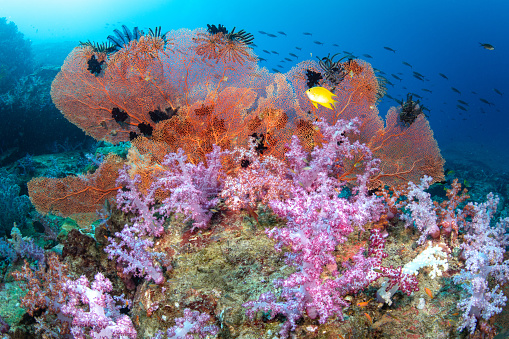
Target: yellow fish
[{"x": 319, "y": 95}]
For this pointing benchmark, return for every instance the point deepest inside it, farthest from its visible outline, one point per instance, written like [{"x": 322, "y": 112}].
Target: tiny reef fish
[
  {"x": 389, "y": 49},
  {"x": 319, "y": 95},
  {"x": 486, "y": 101},
  {"x": 489, "y": 47},
  {"x": 369, "y": 318}
]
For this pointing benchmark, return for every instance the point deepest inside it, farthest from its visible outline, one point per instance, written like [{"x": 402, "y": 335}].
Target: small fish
[
  {"x": 228, "y": 297},
  {"x": 298, "y": 48},
  {"x": 262, "y": 32},
  {"x": 369, "y": 318},
  {"x": 364, "y": 303},
  {"x": 213, "y": 210},
  {"x": 392, "y": 316},
  {"x": 451, "y": 172},
  {"x": 406, "y": 64},
  {"x": 443, "y": 76},
  {"x": 396, "y": 77},
  {"x": 411, "y": 331},
  {"x": 486, "y": 101},
  {"x": 282, "y": 33},
  {"x": 456, "y": 90},
  {"x": 428, "y": 292},
  {"x": 335, "y": 45},
  {"x": 466, "y": 183},
  {"x": 427, "y": 90},
  {"x": 253, "y": 45},
  {"x": 274, "y": 52},
  {"x": 417, "y": 95},
  {"x": 262, "y": 59},
  {"x": 266, "y": 51},
  {"x": 279, "y": 66},
  {"x": 419, "y": 74},
  {"x": 487, "y": 46},
  {"x": 461, "y": 107},
  {"x": 389, "y": 49},
  {"x": 462, "y": 102},
  {"x": 377, "y": 270},
  {"x": 497, "y": 91},
  {"x": 272, "y": 35},
  {"x": 318, "y": 42},
  {"x": 418, "y": 77},
  {"x": 319, "y": 95},
  {"x": 293, "y": 55},
  {"x": 368, "y": 56},
  {"x": 288, "y": 59},
  {"x": 276, "y": 70},
  {"x": 307, "y": 33},
  {"x": 473, "y": 92}
]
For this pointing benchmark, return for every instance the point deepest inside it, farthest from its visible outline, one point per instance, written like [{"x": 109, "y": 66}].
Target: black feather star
[
  {"x": 241, "y": 36},
  {"x": 120, "y": 39}
]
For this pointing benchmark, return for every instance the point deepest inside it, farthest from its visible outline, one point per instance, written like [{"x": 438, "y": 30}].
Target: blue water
[{"x": 433, "y": 36}]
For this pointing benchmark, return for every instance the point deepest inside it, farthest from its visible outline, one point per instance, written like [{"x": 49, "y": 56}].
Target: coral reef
[{"x": 241, "y": 210}]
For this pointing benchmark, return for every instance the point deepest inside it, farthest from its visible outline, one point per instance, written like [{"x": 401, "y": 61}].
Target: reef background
[{"x": 433, "y": 37}]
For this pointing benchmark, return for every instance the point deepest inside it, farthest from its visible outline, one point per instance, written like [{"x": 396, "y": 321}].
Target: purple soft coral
[
  {"x": 133, "y": 253},
  {"x": 193, "y": 188},
  {"x": 193, "y": 322},
  {"x": 131, "y": 200},
  {"x": 422, "y": 210},
  {"x": 102, "y": 319},
  {"x": 483, "y": 249},
  {"x": 318, "y": 219}
]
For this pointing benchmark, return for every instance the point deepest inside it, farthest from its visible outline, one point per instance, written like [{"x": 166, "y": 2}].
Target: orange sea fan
[
  {"x": 76, "y": 194},
  {"x": 219, "y": 46}
]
